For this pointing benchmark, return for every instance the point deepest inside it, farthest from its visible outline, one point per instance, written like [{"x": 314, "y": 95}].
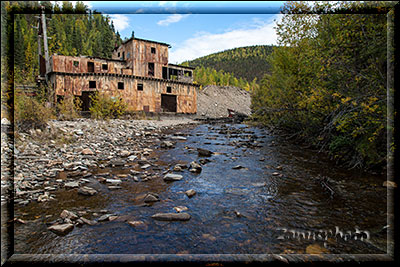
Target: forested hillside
[
  {"x": 209, "y": 76},
  {"x": 328, "y": 80},
  {"x": 72, "y": 31},
  {"x": 244, "y": 62}
]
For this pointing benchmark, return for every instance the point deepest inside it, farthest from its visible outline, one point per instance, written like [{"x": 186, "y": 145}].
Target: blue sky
[{"x": 194, "y": 29}]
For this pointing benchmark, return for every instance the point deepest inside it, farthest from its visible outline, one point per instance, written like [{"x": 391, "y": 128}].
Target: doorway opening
[{"x": 168, "y": 103}]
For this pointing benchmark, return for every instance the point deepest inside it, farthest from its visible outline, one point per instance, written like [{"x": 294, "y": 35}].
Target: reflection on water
[{"x": 234, "y": 211}]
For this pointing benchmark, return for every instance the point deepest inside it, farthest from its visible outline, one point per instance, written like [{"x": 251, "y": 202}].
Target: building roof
[
  {"x": 181, "y": 66},
  {"x": 143, "y": 40}
]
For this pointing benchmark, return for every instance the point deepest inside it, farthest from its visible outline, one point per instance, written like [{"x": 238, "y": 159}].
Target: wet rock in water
[
  {"x": 137, "y": 223},
  {"x": 113, "y": 187},
  {"x": 65, "y": 214},
  {"x": 105, "y": 217},
  {"x": 180, "y": 208},
  {"x": 204, "y": 152},
  {"x": 190, "y": 193},
  {"x": 204, "y": 161},
  {"x": 178, "y": 138},
  {"x": 171, "y": 216},
  {"x": 173, "y": 177},
  {"x": 145, "y": 166},
  {"x": 151, "y": 197},
  {"x": 71, "y": 185},
  {"x": 86, "y": 221},
  {"x": 177, "y": 168},
  {"x": 114, "y": 181},
  {"x": 167, "y": 144},
  {"x": 275, "y": 173},
  {"x": 279, "y": 168},
  {"x": 113, "y": 217},
  {"x": 237, "y": 167},
  {"x": 195, "y": 167},
  {"x": 389, "y": 184},
  {"x": 238, "y": 214},
  {"x": 87, "y": 151},
  {"x": 87, "y": 191},
  {"x": 210, "y": 237},
  {"x": 61, "y": 229}
]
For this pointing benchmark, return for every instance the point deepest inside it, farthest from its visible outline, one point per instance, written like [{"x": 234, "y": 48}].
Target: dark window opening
[
  {"x": 188, "y": 73},
  {"x": 92, "y": 84},
  {"x": 76, "y": 63},
  {"x": 169, "y": 89},
  {"x": 153, "y": 50},
  {"x": 123, "y": 55},
  {"x": 104, "y": 66},
  {"x": 119, "y": 54},
  {"x": 140, "y": 87},
  {"x": 151, "y": 69},
  {"x": 165, "y": 72},
  {"x": 90, "y": 66},
  {"x": 121, "y": 85},
  {"x": 128, "y": 55}
]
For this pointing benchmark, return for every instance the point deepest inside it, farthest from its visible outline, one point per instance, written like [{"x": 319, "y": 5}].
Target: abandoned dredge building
[{"x": 138, "y": 72}]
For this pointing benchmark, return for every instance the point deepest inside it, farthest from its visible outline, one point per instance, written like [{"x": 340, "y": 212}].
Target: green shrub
[
  {"x": 30, "y": 113},
  {"x": 69, "y": 108},
  {"x": 106, "y": 107}
]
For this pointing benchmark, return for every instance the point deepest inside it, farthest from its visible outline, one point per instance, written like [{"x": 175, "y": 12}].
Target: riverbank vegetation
[{"x": 327, "y": 85}]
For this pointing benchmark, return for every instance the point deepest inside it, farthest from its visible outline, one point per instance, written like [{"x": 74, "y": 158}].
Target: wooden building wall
[
  {"x": 59, "y": 63},
  {"x": 148, "y": 100},
  {"x": 140, "y": 55}
]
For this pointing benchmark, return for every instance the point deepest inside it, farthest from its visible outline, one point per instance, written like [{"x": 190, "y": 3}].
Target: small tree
[
  {"x": 30, "y": 113},
  {"x": 69, "y": 108},
  {"x": 107, "y": 107}
]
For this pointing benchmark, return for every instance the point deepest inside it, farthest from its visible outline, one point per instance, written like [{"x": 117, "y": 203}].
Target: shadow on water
[{"x": 254, "y": 190}]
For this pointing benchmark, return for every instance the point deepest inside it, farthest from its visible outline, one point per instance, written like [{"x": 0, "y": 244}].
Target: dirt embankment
[{"x": 214, "y": 101}]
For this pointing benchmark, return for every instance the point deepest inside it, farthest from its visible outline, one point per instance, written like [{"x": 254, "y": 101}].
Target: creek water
[{"x": 259, "y": 208}]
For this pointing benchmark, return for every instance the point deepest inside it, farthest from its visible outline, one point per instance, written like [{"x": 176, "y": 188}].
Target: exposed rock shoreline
[{"x": 64, "y": 154}]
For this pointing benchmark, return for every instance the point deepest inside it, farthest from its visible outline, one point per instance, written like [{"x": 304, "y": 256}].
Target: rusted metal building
[{"x": 138, "y": 72}]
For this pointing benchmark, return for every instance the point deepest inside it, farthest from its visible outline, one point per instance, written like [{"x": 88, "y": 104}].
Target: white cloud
[
  {"x": 121, "y": 22},
  {"x": 172, "y": 19},
  {"x": 167, "y": 3},
  {"x": 206, "y": 43}
]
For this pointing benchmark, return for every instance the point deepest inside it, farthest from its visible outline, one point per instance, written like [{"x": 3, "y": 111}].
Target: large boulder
[
  {"x": 173, "y": 177},
  {"x": 204, "y": 152},
  {"x": 87, "y": 191},
  {"x": 61, "y": 229}
]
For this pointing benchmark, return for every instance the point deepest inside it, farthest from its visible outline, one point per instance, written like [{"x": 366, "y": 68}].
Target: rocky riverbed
[
  {"x": 166, "y": 187},
  {"x": 64, "y": 154}
]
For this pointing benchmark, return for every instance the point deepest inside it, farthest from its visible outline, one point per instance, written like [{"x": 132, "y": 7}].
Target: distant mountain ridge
[{"x": 244, "y": 62}]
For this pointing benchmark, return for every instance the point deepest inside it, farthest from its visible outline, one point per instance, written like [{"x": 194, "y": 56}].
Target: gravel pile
[{"x": 213, "y": 101}]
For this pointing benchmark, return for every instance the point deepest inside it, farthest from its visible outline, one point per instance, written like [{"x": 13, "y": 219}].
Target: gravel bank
[
  {"x": 213, "y": 101},
  {"x": 76, "y": 147}
]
